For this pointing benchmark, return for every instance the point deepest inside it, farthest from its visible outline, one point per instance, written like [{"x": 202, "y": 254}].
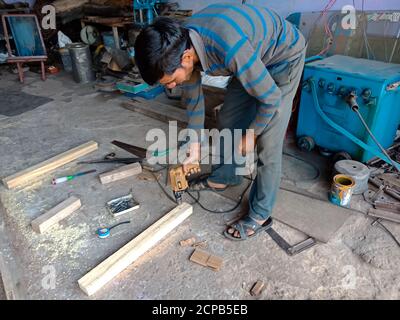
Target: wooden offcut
[
  {"x": 257, "y": 288},
  {"x": 32, "y": 173},
  {"x": 206, "y": 259},
  {"x": 120, "y": 260},
  {"x": 56, "y": 214},
  {"x": 187, "y": 242},
  {"x": 123, "y": 172}
]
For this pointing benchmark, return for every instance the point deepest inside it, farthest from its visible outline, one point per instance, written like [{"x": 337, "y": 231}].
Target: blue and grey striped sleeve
[
  {"x": 247, "y": 66},
  {"x": 193, "y": 99}
]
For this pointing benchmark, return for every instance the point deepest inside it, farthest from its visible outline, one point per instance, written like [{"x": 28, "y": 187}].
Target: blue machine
[
  {"x": 326, "y": 119},
  {"x": 144, "y": 11}
]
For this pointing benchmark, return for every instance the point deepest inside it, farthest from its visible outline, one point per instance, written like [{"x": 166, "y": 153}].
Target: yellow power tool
[{"x": 178, "y": 179}]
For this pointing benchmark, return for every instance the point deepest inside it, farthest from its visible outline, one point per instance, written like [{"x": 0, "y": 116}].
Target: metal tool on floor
[
  {"x": 138, "y": 151},
  {"x": 71, "y": 177},
  {"x": 111, "y": 158},
  {"x": 289, "y": 249},
  {"x": 122, "y": 205},
  {"x": 105, "y": 232}
]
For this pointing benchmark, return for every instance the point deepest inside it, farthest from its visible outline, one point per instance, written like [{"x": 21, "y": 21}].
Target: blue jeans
[{"x": 238, "y": 112}]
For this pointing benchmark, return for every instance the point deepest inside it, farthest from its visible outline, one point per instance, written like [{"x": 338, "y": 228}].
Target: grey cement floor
[{"x": 360, "y": 262}]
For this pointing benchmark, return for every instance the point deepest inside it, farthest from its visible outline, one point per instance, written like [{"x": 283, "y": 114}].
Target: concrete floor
[
  {"x": 360, "y": 262},
  {"x": 2, "y": 293}
]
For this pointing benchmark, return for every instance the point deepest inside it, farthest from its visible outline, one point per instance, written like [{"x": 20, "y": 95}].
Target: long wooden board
[
  {"x": 158, "y": 111},
  {"x": 120, "y": 260},
  {"x": 32, "y": 173},
  {"x": 120, "y": 173},
  {"x": 56, "y": 214},
  {"x": 163, "y": 112}
]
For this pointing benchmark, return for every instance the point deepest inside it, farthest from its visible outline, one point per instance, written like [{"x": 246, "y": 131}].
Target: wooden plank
[
  {"x": 163, "y": 112},
  {"x": 120, "y": 260},
  {"x": 56, "y": 214},
  {"x": 42, "y": 168},
  {"x": 120, "y": 173},
  {"x": 158, "y": 111}
]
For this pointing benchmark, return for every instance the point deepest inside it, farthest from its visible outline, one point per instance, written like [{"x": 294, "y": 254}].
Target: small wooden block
[
  {"x": 214, "y": 262},
  {"x": 55, "y": 215},
  {"x": 257, "y": 288},
  {"x": 188, "y": 242},
  {"x": 206, "y": 260},
  {"x": 123, "y": 172},
  {"x": 200, "y": 257}
]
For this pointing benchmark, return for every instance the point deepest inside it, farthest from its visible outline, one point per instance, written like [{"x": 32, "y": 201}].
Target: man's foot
[
  {"x": 216, "y": 185},
  {"x": 246, "y": 228},
  {"x": 205, "y": 184}
]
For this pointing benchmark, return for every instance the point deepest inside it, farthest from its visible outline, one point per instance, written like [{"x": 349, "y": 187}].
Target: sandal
[
  {"x": 202, "y": 185},
  {"x": 245, "y": 224}
]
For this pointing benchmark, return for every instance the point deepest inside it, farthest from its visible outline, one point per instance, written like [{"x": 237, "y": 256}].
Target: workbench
[{"x": 113, "y": 22}]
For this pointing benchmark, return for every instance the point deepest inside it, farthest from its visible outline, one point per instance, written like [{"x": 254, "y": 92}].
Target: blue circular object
[{"x": 103, "y": 233}]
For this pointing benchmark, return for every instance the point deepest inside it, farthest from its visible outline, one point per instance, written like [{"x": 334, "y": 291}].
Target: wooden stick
[
  {"x": 120, "y": 173},
  {"x": 120, "y": 260},
  {"x": 34, "y": 172},
  {"x": 55, "y": 215}
]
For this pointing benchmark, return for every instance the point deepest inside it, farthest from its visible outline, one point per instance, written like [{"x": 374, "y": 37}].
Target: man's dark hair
[{"x": 159, "y": 49}]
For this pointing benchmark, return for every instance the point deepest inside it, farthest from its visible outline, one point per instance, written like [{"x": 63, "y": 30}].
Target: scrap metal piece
[
  {"x": 289, "y": 249},
  {"x": 387, "y": 206},
  {"x": 390, "y": 178},
  {"x": 386, "y": 215},
  {"x": 388, "y": 190}
]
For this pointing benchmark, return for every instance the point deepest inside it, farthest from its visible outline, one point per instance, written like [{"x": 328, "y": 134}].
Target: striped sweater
[{"x": 241, "y": 41}]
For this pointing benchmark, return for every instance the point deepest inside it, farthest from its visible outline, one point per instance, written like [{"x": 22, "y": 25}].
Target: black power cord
[{"x": 197, "y": 200}]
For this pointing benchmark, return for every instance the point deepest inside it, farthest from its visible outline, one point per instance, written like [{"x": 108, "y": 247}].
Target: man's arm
[
  {"x": 193, "y": 99},
  {"x": 247, "y": 66}
]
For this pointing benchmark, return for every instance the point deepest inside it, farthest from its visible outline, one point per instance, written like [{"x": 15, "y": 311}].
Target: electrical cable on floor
[
  {"x": 225, "y": 211},
  {"x": 162, "y": 188},
  {"x": 377, "y": 221},
  {"x": 394, "y": 164},
  {"x": 197, "y": 200}
]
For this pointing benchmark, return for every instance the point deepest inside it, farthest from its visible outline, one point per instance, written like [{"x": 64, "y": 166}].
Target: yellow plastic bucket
[{"x": 342, "y": 190}]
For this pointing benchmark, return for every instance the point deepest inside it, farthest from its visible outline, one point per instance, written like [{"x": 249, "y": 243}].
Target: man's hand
[
  {"x": 193, "y": 154},
  {"x": 247, "y": 143}
]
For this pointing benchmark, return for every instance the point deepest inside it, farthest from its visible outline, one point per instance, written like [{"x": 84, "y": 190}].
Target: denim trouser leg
[
  {"x": 237, "y": 112},
  {"x": 269, "y": 148}
]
